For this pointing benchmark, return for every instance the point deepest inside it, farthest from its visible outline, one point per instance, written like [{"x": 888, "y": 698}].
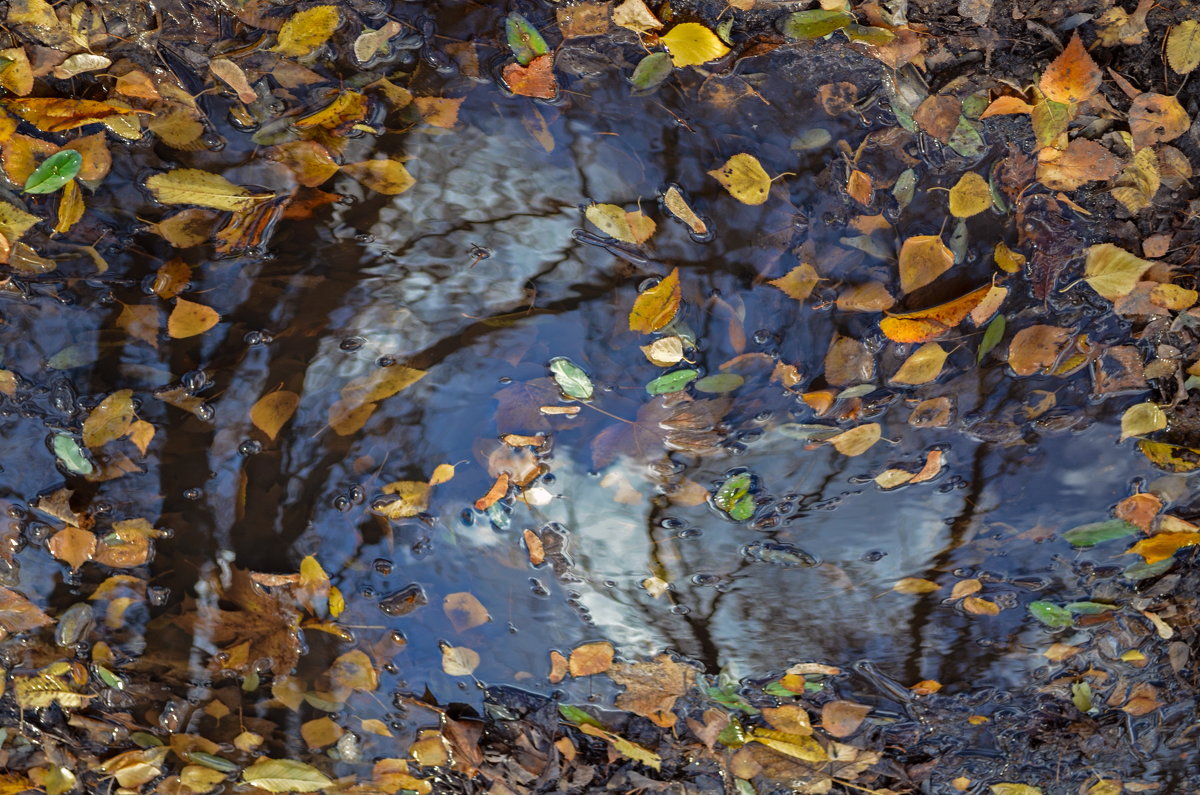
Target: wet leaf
[
  {"x": 991, "y": 337},
  {"x": 272, "y": 411},
  {"x": 915, "y": 585},
  {"x": 970, "y": 196},
  {"x": 671, "y": 382},
  {"x": 590, "y": 658},
  {"x": 799, "y": 282},
  {"x": 459, "y": 660},
  {"x": 1087, "y": 535},
  {"x": 201, "y": 188},
  {"x": 656, "y": 307},
  {"x": 1015, "y": 789},
  {"x": 848, "y": 361},
  {"x": 571, "y": 379},
  {"x": 1183, "y": 46},
  {"x": 189, "y": 319},
  {"x": 868, "y": 297},
  {"x": 799, "y": 746},
  {"x": 1082, "y": 161},
  {"x": 815, "y": 23},
  {"x": 535, "y": 80},
  {"x": 734, "y": 498},
  {"x": 665, "y": 351},
  {"x": 71, "y": 455},
  {"x": 923, "y": 258},
  {"x": 1162, "y": 546},
  {"x": 1112, "y": 271},
  {"x": 923, "y": 366},
  {"x": 625, "y": 747},
  {"x": 1051, "y": 614},
  {"x": 371, "y": 43},
  {"x": 743, "y": 176},
  {"x": 284, "y": 775},
  {"x": 651, "y": 71},
  {"x": 382, "y": 175},
  {"x": 524, "y": 39},
  {"x": 464, "y": 611},
  {"x": 1141, "y": 419},
  {"x": 929, "y": 324},
  {"x": 692, "y": 44},
  {"x": 51, "y": 114},
  {"x": 980, "y": 607},
  {"x": 1169, "y": 456},
  {"x": 54, "y": 172},
  {"x": 1154, "y": 118},
  {"x": 72, "y": 546},
  {"x": 857, "y": 441},
  {"x": 842, "y": 718},
  {"x": 306, "y": 30},
  {"x": 1037, "y": 348},
  {"x": 636, "y": 16},
  {"x": 110, "y": 420},
  {"x": 1073, "y": 76},
  {"x": 497, "y": 492},
  {"x": 628, "y": 227},
  {"x": 411, "y": 498},
  {"x": 719, "y": 383}
]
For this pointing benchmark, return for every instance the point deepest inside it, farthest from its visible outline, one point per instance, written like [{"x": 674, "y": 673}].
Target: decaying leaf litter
[{"x": 977, "y": 244}]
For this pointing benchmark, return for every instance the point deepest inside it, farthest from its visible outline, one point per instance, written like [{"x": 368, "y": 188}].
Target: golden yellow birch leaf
[
  {"x": 459, "y": 660},
  {"x": 924, "y": 325},
  {"x": 1112, "y": 271},
  {"x": 354, "y": 671},
  {"x": 272, "y": 411},
  {"x": 17, "y": 77},
  {"x": 1163, "y": 545},
  {"x": 201, "y": 188},
  {"x": 923, "y": 258},
  {"x": 443, "y": 111},
  {"x": 411, "y": 496},
  {"x": 307, "y": 30},
  {"x": 744, "y": 177},
  {"x": 990, "y": 304},
  {"x": 388, "y": 177},
  {"x": 1137, "y": 183},
  {"x": 628, "y": 227},
  {"x": 980, "y": 607},
  {"x": 14, "y": 221},
  {"x": 1173, "y": 297},
  {"x": 141, "y": 433},
  {"x": 590, "y": 658},
  {"x": 1183, "y": 46},
  {"x": 137, "y": 84},
  {"x": 799, "y": 282},
  {"x": 1008, "y": 260},
  {"x": 655, "y": 308},
  {"x": 285, "y": 775},
  {"x": 857, "y": 441},
  {"x": 73, "y": 546},
  {"x": 80, "y": 63},
  {"x": 676, "y": 205},
  {"x": 441, "y": 474},
  {"x": 859, "y": 187},
  {"x": 1073, "y": 76},
  {"x": 692, "y": 44},
  {"x": 970, "y": 196},
  {"x": 38, "y": 13},
  {"x": 893, "y": 478},
  {"x": 636, "y": 16},
  {"x": 915, "y": 585},
  {"x": 1141, "y": 419},
  {"x": 110, "y": 420},
  {"x": 189, "y": 319},
  {"x": 70, "y": 207},
  {"x": 868, "y": 297},
  {"x": 923, "y": 366},
  {"x": 799, "y": 746}
]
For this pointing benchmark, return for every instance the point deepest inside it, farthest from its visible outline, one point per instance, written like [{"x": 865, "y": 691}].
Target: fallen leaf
[
  {"x": 867, "y": 297},
  {"x": 1007, "y": 788},
  {"x": 383, "y": 175},
  {"x": 923, "y": 366},
  {"x": 1083, "y": 161},
  {"x": 652, "y": 687},
  {"x": 1141, "y": 419},
  {"x": 309, "y": 161},
  {"x": 73, "y": 546},
  {"x": 635, "y": 15},
  {"x": 858, "y": 186},
  {"x": 459, "y": 660},
  {"x": 201, "y": 188},
  {"x": 371, "y": 43},
  {"x": 1154, "y": 118},
  {"x": 284, "y": 775},
  {"x": 272, "y": 411},
  {"x": 110, "y": 420},
  {"x": 857, "y": 441},
  {"x": 1073, "y": 76},
  {"x": 189, "y": 319},
  {"x": 232, "y": 75},
  {"x": 923, "y": 258},
  {"x": 656, "y": 307},
  {"x": 970, "y": 196},
  {"x": 1163, "y": 545},
  {"x": 306, "y": 30},
  {"x": 496, "y": 493},
  {"x": 980, "y": 607},
  {"x": 1006, "y": 105},
  {"x": 1112, "y": 271},
  {"x": 799, "y": 282},
  {"x": 676, "y": 205},
  {"x": 1183, "y": 46},
  {"x": 665, "y": 351},
  {"x": 590, "y": 658},
  {"x": 535, "y": 80},
  {"x": 51, "y": 114},
  {"x": 915, "y": 585},
  {"x": 464, "y": 611},
  {"x": 848, "y": 361},
  {"x": 692, "y": 44},
  {"x": 743, "y": 176},
  {"x": 929, "y": 324},
  {"x": 939, "y": 116},
  {"x": 628, "y": 227},
  {"x": 842, "y": 718},
  {"x": 1036, "y": 348}
]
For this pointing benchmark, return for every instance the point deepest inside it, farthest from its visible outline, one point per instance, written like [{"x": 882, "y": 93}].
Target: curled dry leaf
[{"x": 272, "y": 411}]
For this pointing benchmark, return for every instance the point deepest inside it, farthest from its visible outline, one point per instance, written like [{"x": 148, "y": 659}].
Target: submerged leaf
[
  {"x": 1086, "y": 535},
  {"x": 923, "y": 366},
  {"x": 1051, "y": 614},
  {"x": 671, "y": 382},
  {"x": 272, "y": 411},
  {"x": 923, "y": 258},
  {"x": 306, "y": 30},
  {"x": 285, "y": 775},
  {"x": 201, "y": 188},
  {"x": 571, "y": 379},
  {"x": 1142, "y": 419}
]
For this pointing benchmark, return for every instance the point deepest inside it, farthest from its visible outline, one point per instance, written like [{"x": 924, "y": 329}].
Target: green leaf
[
  {"x": 869, "y": 35},
  {"x": 1051, "y": 614},
  {"x": 1090, "y": 608},
  {"x": 72, "y": 455},
  {"x": 577, "y": 716},
  {"x": 733, "y": 492},
  {"x": 1087, "y": 535},
  {"x": 285, "y": 775},
  {"x": 905, "y": 187},
  {"x": 651, "y": 71},
  {"x": 991, "y": 337},
  {"x": 571, "y": 379},
  {"x": 1081, "y": 695},
  {"x": 1144, "y": 571},
  {"x": 733, "y": 735},
  {"x": 814, "y": 24},
  {"x": 55, "y": 171},
  {"x": 210, "y": 761},
  {"x": 721, "y": 382},
  {"x": 671, "y": 382},
  {"x": 524, "y": 39}
]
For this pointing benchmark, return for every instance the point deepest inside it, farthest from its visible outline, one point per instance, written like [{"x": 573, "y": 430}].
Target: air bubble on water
[
  {"x": 253, "y": 338},
  {"x": 874, "y": 556},
  {"x": 762, "y": 336},
  {"x": 351, "y": 344},
  {"x": 357, "y": 494},
  {"x": 250, "y": 447},
  {"x": 681, "y": 610},
  {"x": 504, "y": 379},
  {"x": 383, "y": 566},
  {"x": 364, "y": 237},
  {"x": 536, "y": 587},
  {"x": 193, "y": 493},
  {"x": 385, "y": 361},
  {"x": 204, "y": 412},
  {"x": 690, "y": 532},
  {"x": 398, "y": 637},
  {"x": 342, "y": 503},
  {"x": 194, "y": 380},
  {"x": 158, "y": 595}
]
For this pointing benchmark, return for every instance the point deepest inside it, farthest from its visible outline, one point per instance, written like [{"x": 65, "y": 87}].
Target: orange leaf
[
  {"x": 1036, "y": 348},
  {"x": 1162, "y": 546},
  {"x": 498, "y": 490},
  {"x": 591, "y": 658},
  {"x": 1073, "y": 76},
  {"x": 73, "y": 546},
  {"x": 51, "y": 114},
  {"x": 842, "y": 718},
  {"x": 929, "y": 324},
  {"x": 657, "y": 306},
  {"x": 1154, "y": 118},
  {"x": 1006, "y": 105},
  {"x": 535, "y": 80}
]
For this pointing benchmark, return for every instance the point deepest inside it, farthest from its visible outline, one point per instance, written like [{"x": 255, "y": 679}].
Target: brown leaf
[
  {"x": 651, "y": 688},
  {"x": 799, "y": 282},
  {"x": 535, "y": 80},
  {"x": 923, "y": 258},
  {"x": 842, "y": 718},
  {"x": 1036, "y": 348},
  {"x": 938, "y": 116},
  {"x": 558, "y": 668},
  {"x": 1154, "y": 118},
  {"x": 1073, "y": 76},
  {"x": 591, "y": 658},
  {"x": 1083, "y": 161},
  {"x": 848, "y": 361},
  {"x": 18, "y": 614},
  {"x": 73, "y": 546},
  {"x": 464, "y": 611}
]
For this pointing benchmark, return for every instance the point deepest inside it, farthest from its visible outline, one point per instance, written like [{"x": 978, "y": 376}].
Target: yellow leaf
[
  {"x": 628, "y": 227},
  {"x": 857, "y": 441},
  {"x": 927, "y": 324},
  {"x": 799, "y": 746},
  {"x": 915, "y": 585},
  {"x": 1183, "y": 46},
  {"x": 388, "y": 177},
  {"x": 307, "y": 30},
  {"x": 272, "y": 411},
  {"x": 1163, "y": 545},
  {"x": 691, "y": 44},
  {"x": 1008, "y": 260},
  {"x": 799, "y": 282},
  {"x": 53, "y": 114},
  {"x": 1015, "y": 789},
  {"x": 1112, "y": 271},
  {"x": 70, "y": 207},
  {"x": 412, "y": 497},
  {"x": 655, "y": 308},
  {"x": 459, "y": 660},
  {"x": 870, "y": 296},
  {"x": 110, "y": 420},
  {"x": 676, "y": 205},
  {"x": 1036, "y": 348},
  {"x": 232, "y": 75},
  {"x": 590, "y": 658},
  {"x": 1154, "y": 118},
  {"x": 285, "y": 775},
  {"x": 189, "y": 319},
  {"x": 441, "y": 474},
  {"x": 202, "y": 188},
  {"x": 923, "y": 258},
  {"x": 17, "y": 77},
  {"x": 1142, "y": 419},
  {"x": 980, "y": 607},
  {"x": 923, "y": 366},
  {"x": 1073, "y": 76},
  {"x": 970, "y": 196},
  {"x": 1174, "y": 297},
  {"x": 743, "y": 176},
  {"x": 14, "y": 221},
  {"x": 354, "y": 671},
  {"x": 141, "y": 433},
  {"x": 72, "y": 546},
  {"x": 624, "y": 747}
]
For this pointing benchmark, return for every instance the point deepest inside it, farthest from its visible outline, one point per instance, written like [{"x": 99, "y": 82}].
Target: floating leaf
[
  {"x": 1087, "y": 535},
  {"x": 285, "y": 775},
  {"x": 923, "y": 366},
  {"x": 1007, "y": 788},
  {"x": 628, "y": 227},
  {"x": 1037, "y": 348},
  {"x": 110, "y": 420},
  {"x": 232, "y": 75},
  {"x": 799, "y": 282},
  {"x": 734, "y": 498},
  {"x": 51, "y": 114},
  {"x": 71, "y": 454},
  {"x": 1170, "y": 456},
  {"x": 814, "y": 24},
  {"x": 590, "y": 658},
  {"x": 651, "y": 71},
  {"x": 1161, "y": 546},
  {"x": 189, "y": 319},
  {"x": 524, "y": 39},
  {"x": 655, "y": 308},
  {"x": 923, "y": 258},
  {"x": 857, "y": 441},
  {"x": 54, "y": 172},
  {"x": 970, "y": 196},
  {"x": 382, "y": 175},
  {"x": 1183, "y": 46},
  {"x": 692, "y": 44},
  {"x": 459, "y": 660},
  {"x": 991, "y": 337},
  {"x": 306, "y": 30},
  {"x": 1051, "y": 614},
  {"x": 465, "y": 611},
  {"x": 273, "y": 410},
  {"x": 1141, "y": 419},
  {"x": 571, "y": 379},
  {"x": 915, "y": 585},
  {"x": 201, "y": 188},
  {"x": 867, "y": 297},
  {"x": 719, "y": 383},
  {"x": 1112, "y": 271},
  {"x": 928, "y": 324},
  {"x": 798, "y": 746},
  {"x": 1073, "y": 76},
  {"x": 743, "y": 176},
  {"x": 671, "y": 382},
  {"x": 636, "y": 16},
  {"x": 535, "y": 80}
]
